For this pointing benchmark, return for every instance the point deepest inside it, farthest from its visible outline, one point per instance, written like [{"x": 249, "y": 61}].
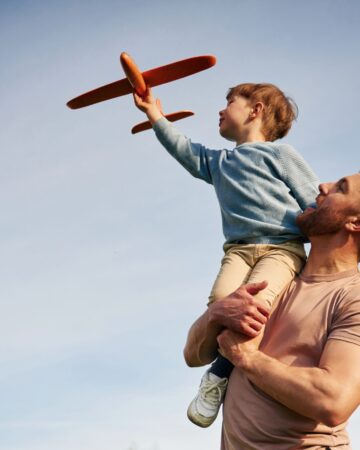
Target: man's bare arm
[
  {"x": 201, "y": 345},
  {"x": 328, "y": 393},
  {"x": 239, "y": 312}
]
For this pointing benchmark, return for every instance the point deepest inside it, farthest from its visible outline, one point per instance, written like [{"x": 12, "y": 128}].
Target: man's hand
[
  {"x": 237, "y": 348},
  {"x": 240, "y": 311},
  {"x": 147, "y": 104}
]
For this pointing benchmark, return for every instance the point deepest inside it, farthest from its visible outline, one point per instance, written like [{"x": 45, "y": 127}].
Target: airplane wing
[
  {"x": 100, "y": 94},
  {"x": 172, "y": 117},
  {"x": 152, "y": 77},
  {"x": 179, "y": 69}
]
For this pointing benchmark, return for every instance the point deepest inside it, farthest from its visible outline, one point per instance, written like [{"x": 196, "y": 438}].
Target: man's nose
[{"x": 325, "y": 188}]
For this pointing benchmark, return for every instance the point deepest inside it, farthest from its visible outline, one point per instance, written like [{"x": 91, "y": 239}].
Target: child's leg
[
  {"x": 234, "y": 271},
  {"x": 221, "y": 367},
  {"x": 278, "y": 264}
]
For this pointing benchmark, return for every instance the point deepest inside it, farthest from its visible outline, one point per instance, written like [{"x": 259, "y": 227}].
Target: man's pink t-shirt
[{"x": 311, "y": 310}]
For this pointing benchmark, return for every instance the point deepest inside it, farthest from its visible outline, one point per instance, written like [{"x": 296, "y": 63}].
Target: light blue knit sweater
[{"x": 261, "y": 186}]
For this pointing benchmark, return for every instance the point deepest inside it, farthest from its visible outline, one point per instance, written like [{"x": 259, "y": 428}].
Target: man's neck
[{"x": 331, "y": 254}]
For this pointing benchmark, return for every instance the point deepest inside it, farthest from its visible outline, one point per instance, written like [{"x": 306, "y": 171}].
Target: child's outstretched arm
[
  {"x": 194, "y": 157},
  {"x": 148, "y": 105}
]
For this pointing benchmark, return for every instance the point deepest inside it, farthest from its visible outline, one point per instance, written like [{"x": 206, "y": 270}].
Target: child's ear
[{"x": 257, "y": 110}]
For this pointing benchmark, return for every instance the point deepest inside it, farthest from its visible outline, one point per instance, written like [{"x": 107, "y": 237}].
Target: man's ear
[
  {"x": 353, "y": 224},
  {"x": 257, "y": 110}
]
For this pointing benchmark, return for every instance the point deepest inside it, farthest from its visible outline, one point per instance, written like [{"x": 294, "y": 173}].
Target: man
[{"x": 301, "y": 386}]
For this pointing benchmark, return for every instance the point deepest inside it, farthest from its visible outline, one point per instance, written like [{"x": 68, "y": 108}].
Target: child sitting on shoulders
[{"x": 261, "y": 187}]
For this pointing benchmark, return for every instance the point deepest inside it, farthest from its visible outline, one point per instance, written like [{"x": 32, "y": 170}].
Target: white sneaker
[{"x": 203, "y": 410}]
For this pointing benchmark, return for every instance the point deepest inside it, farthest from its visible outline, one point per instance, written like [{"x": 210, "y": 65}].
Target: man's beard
[{"x": 321, "y": 221}]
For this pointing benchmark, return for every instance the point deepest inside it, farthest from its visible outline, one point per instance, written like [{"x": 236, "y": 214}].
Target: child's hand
[{"x": 148, "y": 105}]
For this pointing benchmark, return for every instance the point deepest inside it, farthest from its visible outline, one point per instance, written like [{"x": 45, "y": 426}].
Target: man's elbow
[
  {"x": 334, "y": 412},
  {"x": 188, "y": 358},
  {"x": 194, "y": 359},
  {"x": 333, "y": 419},
  {"x": 191, "y": 359}
]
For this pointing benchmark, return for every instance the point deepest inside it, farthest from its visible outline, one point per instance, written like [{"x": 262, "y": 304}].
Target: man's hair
[{"x": 279, "y": 111}]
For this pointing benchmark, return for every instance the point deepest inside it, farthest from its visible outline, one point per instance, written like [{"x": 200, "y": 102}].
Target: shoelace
[{"x": 212, "y": 392}]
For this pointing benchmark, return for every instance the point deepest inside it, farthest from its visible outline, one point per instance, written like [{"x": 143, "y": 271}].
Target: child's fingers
[
  {"x": 137, "y": 99},
  {"x": 159, "y": 105}
]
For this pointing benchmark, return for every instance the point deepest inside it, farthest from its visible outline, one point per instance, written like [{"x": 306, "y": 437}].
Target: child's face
[{"x": 235, "y": 117}]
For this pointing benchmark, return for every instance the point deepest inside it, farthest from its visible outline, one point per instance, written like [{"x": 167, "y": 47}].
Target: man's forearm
[
  {"x": 311, "y": 392},
  {"x": 328, "y": 393},
  {"x": 201, "y": 345}
]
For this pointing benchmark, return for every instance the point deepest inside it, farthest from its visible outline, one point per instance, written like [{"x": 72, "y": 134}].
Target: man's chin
[
  {"x": 321, "y": 221},
  {"x": 307, "y": 222},
  {"x": 309, "y": 211}
]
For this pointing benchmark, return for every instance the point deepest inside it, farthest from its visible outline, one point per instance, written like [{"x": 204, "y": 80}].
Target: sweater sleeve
[
  {"x": 195, "y": 158},
  {"x": 298, "y": 176}
]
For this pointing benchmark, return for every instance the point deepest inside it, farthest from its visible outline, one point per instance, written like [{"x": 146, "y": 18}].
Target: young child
[{"x": 261, "y": 187}]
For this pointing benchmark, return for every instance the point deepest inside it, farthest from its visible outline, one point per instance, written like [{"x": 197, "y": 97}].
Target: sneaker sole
[{"x": 203, "y": 423}]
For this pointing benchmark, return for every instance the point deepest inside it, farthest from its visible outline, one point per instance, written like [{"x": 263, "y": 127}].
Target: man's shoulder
[
  {"x": 345, "y": 323},
  {"x": 350, "y": 290},
  {"x": 345, "y": 285}
]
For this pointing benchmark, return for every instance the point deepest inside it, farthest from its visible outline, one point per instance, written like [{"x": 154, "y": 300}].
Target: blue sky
[{"x": 108, "y": 248}]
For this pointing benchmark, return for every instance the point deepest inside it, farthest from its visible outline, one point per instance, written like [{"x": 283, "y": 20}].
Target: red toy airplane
[{"x": 139, "y": 82}]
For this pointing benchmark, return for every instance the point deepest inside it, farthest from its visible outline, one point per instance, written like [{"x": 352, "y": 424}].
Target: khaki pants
[{"x": 252, "y": 263}]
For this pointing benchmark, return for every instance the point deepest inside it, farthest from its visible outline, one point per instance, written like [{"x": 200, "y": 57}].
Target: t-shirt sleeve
[
  {"x": 298, "y": 176},
  {"x": 346, "y": 321},
  {"x": 195, "y": 158}
]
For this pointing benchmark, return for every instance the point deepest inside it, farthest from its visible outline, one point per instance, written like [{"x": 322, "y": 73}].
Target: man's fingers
[
  {"x": 262, "y": 312},
  {"x": 250, "y": 330},
  {"x": 260, "y": 318},
  {"x": 263, "y": 309},
  {"x": 222, "y": 338},
  {"x": 254, "y": 288},
  {"x": 256, "y": 326}
]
